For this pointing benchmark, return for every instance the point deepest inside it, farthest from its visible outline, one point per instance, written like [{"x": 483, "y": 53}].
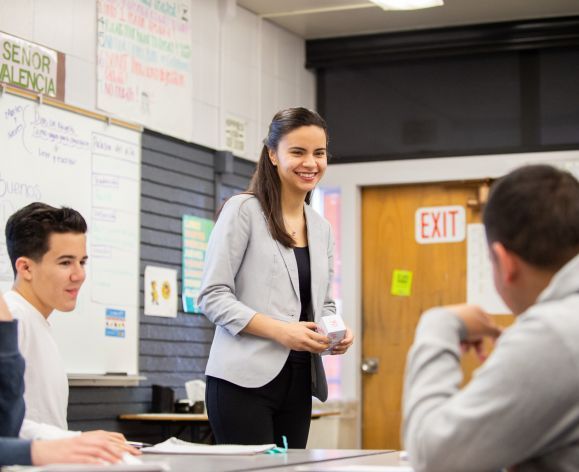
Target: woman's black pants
[{"x": 262, "y": 415}]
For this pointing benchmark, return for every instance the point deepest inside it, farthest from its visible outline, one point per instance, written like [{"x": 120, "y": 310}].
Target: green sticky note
[{"x": 401, "y": 283}]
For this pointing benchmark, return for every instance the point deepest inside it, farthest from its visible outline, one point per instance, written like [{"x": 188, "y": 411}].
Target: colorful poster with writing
[
  {"x": 144, "y": 63},
  {"x": 115, "y": 323},
  {"x": 196, "y": 233}
]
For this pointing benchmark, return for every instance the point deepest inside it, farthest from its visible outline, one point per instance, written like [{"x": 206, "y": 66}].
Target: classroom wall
[
  {"x": 243, "y": 66},
  {"x": 498, "y": 88}
]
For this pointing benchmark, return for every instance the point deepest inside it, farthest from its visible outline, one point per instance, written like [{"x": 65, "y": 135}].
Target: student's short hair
[
  {"x": 29, "y": 229},
  {"x": 534, "y": 212}
]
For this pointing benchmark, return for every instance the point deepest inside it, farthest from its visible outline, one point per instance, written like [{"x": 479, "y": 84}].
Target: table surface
[
  {"x": 270, "y": 462},
  {"x": 198, "y": 416},
  {"x": 384, "y": 459}
]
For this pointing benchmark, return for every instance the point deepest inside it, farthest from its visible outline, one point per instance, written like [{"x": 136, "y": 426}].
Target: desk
[
  {"x": 193, "y": 421},
  {"x": 198, "y": 417},
  {"x": 266, "y": 462},
  {"x": 382, "y": 459},
  {"x": 165, "y": 417},
  {"x": 196, "y": 422}
]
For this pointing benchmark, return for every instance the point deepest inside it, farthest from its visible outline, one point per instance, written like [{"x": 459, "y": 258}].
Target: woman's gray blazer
[{"x": 248, "y": 272}]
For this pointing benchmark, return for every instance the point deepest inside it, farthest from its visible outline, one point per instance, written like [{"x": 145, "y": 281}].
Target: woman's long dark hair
[{"x": 265, "y": 183}]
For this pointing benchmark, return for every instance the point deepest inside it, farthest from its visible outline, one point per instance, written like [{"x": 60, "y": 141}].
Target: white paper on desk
[
  {"x": 143, "y": 467},
  {"x": 177, "y": 446},
  {"x": 354, "y": 468}
]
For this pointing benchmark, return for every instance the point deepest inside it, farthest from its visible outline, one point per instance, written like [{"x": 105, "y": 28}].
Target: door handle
[{"x": 370, "y": 365}]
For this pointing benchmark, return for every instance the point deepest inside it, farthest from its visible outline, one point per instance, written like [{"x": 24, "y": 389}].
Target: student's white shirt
[{"x": 45, "y": 381}]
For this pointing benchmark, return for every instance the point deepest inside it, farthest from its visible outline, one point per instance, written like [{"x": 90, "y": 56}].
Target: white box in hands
[{"x": 334, "y": 328}]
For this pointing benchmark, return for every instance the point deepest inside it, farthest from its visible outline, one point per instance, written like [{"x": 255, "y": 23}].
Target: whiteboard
[{"x": 62, "y": 158}]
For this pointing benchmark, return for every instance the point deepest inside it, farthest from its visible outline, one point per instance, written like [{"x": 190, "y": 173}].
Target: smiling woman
[
  {"x": 267, "y": 280},
  {"x": 301, "y": 160},
  {"x": 293, "y": 160}
]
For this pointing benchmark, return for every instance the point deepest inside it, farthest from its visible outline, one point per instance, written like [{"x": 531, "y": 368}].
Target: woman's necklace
[{"x": 290, "y": 229}]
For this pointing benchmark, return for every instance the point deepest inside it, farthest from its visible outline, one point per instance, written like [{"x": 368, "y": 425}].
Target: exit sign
[{"x": 442, "y": 224}]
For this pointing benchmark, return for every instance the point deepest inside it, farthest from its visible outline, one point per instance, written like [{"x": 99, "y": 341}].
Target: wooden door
[{"x": 389, "y": 322}]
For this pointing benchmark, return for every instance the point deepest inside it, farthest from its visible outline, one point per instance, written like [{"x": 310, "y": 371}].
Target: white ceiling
[{"x": 312, "y": 19}]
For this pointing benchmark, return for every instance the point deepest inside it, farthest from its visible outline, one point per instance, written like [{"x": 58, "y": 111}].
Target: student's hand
[
  {"x": 344, "y": 344},
  {"x": 302, "y": 337},
  {"x": 114, "y": 438},
  {"x": 87, "y": 448},
  {"x": 478, "y": 325},
  {"x": 5, "y": 314}
]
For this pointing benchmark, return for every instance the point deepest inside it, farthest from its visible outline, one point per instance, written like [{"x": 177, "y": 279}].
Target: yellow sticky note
[{"x": 401, "y": 283}]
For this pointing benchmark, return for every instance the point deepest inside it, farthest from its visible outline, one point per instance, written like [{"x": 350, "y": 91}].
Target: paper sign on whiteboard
[
  {"x": 439, "y": 224},
  {"x": 480, "y": 288}
]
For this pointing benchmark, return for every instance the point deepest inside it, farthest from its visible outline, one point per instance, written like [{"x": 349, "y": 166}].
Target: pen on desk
[{"x": 138, "y": 444}]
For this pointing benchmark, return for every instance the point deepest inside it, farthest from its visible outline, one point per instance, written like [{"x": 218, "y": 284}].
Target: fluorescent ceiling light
[{"x": 407, "y": 4}]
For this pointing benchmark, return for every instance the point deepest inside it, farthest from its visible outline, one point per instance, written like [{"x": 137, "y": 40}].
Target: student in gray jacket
[
  {"x": 522, "y": 406},
  {"x": 267, "y": 279}
]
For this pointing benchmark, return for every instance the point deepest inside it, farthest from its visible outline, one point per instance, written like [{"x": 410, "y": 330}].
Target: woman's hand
[
  {"x": 302, "y": 337},
  {"x": 344, "y": 344}
]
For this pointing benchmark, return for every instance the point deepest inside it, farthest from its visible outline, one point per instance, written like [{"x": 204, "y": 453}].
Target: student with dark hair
[
  {"x": 267, "y": 279},
  {"x": 94, "y": 448},
  {"x": 47, "y": 249},
  {"x": 522, "y": 406}
]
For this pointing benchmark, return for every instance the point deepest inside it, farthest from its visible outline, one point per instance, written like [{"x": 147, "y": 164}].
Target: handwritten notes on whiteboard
[
  {"x": 114, "y": 230},
  {"x": 62, "y": 158},
  {"x": 144, "y": 63}
]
